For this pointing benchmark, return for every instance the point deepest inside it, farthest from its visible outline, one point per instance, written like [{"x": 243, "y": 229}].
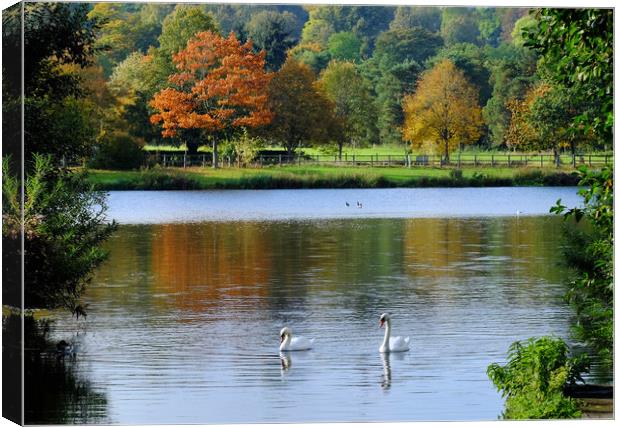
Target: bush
[
  {"x": 533, "y": 380},
  {"x": 119, "y": 152},
  {"x": 64, "y": 224},
  {"x": 591, "y": 253}
]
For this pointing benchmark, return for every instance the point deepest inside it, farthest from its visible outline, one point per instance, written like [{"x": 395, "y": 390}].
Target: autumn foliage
[
  {"x": 443, "y": 110},
  {"x": 220, "y": 84}
]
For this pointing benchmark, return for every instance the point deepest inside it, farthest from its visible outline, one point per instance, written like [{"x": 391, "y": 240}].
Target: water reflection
[
  {"x": 386, "y": 379},
  {"x": 285, "y": 361},
  {"x": 55, "y": 390},
  {"x": 464, "y": 289}
]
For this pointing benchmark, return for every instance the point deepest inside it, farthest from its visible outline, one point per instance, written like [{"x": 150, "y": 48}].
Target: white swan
[
  {"x": 391, "y": 344},
  {"x": 288, "y": 343}
]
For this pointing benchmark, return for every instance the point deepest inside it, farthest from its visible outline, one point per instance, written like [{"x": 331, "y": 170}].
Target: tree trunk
[
  {"x": 215, "y": 157},
  {"x": 340, "y": 144},
  {"x": 446, "y": 151}
]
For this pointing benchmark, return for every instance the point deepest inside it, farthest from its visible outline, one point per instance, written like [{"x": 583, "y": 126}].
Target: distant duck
[
  {"x": 288, "y": 343},
  {"x": 346, "y": 203},
  {"x": 359, "y": 205},
  {"x": 64, "y": 348},
  {"x": 391, "y": 344}
]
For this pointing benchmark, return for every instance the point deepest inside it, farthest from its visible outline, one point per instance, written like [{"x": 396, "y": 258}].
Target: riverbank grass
[{"x": 324, "y": 177}]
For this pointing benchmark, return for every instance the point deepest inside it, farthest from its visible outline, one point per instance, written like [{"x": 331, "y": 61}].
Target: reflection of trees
[
  {"x": 201, "y": 264},
  {"x": 54, "y": 393},
  {"x": 500, "y": 250},
  {"x": 283, "y": 264}
]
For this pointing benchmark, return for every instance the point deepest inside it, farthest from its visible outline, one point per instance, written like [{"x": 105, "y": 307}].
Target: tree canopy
[
  {"x": 443, "y": 110},
  {"x": 220, "y": 85}
]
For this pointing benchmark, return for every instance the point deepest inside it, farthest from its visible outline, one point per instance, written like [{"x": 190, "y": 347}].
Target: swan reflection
[
  {"x": 386, "y": 378},
  {"x": 285, "y": 362}
]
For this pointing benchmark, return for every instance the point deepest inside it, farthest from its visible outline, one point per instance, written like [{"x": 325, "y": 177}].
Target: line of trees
[{"x": 360, "y": 68}]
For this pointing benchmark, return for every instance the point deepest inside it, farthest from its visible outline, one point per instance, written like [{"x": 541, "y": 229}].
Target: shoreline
[{"x": 324, "y": 177}]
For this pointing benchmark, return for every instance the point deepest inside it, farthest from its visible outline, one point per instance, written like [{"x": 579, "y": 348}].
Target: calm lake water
[{"x": 184, "y": 318}]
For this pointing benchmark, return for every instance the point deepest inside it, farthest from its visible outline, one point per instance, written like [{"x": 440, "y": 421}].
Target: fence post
[
  {"x": 492, "y": 160},
  {"x": 574, "y": 161},
  {"x": 590, "y": 160},
  {"x": 372, "y": 158},
  {"x": 353, "y": 161},
  {"x": 475, "y": 160},
  {"x": 508, "y": 160},
  {"x": 164, "y": 160},
  {"x": 541, "y": 160},
  {"x": 459, "y": 161}
]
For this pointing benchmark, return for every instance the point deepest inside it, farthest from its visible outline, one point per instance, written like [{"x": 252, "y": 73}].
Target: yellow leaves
[{"x": 444, "y": 109}]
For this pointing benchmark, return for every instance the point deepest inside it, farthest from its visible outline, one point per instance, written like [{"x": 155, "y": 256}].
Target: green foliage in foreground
[
  {"x": 63, "y": 227},
  {"x": 534, "y": 377},
  {"x": 591, "y": 253},
  {"x": 322, "y": 177}
]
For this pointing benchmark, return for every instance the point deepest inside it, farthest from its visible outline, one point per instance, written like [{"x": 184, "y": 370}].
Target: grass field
[{"x": 324, "y": 177}]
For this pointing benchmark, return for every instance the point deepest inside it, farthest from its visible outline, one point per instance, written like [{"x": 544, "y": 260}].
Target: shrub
[
  {"x": 64, "y": 224},
  {"x": 534, "y": 378},
  {"x": 118, "y": 151}
]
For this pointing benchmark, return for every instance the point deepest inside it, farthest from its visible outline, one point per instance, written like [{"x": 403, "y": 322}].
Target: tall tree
[
  {"x": 273, "y": 33},
  {"x": 444, "y": 110},
  {"x": 220, "y": 85},
  {"x": 350, "y": 93},
  {"x": 512, "y": 72},
  {"x": 302, "y": 113}
]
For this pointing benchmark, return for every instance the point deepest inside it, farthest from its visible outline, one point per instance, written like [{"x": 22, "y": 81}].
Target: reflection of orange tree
[{"x": 199, "y": 266}]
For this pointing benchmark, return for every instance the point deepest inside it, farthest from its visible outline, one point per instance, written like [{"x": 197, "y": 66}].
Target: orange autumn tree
[
  {"x": 220, "y": 86},
  {"x": 443, "y": 110}
]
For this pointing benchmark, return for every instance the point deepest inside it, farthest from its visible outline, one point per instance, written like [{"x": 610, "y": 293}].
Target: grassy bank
[{"x": 325, "y": 177}]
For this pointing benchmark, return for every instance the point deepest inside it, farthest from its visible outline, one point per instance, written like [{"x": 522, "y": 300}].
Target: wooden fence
[{"x": 167, "y": 159}]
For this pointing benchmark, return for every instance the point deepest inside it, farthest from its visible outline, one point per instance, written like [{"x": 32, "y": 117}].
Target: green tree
[
  {"x": 577, "y": 46},
  {"x": 512, "y": 71},
  {"x": 459, "y": 25},
  {"x": 302, "y": 114},
  {"x": 489, "y": 26},
  {"x": 180, "y": 26},
  {"x": 350, "y": 94},
  {"x": 406, "y": 17},
  {"x": 273, "y": 33},
  {"x": 344, "y": 46},
  {"x": 366, "y": 22},
  {"x": 57, "y": 36},
  {"x": 411, "y": 44}
]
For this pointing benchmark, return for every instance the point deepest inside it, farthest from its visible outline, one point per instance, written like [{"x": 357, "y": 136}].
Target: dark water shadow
[{"x": 55, "y": 391}]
